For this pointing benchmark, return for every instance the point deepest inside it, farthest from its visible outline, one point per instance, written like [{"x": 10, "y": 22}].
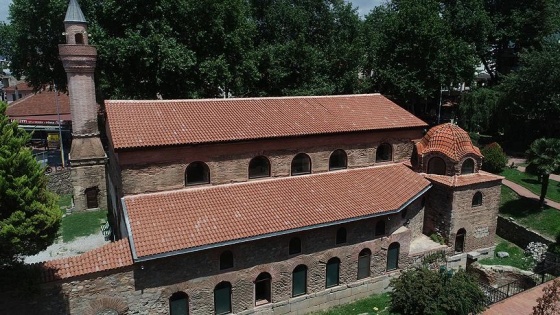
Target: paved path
[
  {"x": 76, "y": 247},
  {"x": 524, "y": 192}
]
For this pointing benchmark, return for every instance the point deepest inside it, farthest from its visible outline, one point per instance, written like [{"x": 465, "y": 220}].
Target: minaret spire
[{"x": 74, "y": 13}]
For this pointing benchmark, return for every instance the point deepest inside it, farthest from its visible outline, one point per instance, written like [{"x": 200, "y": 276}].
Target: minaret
[{"x": 87, "y": 156}]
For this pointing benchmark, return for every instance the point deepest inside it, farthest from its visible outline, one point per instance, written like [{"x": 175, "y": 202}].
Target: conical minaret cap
[{"x": 74, "y": 13}]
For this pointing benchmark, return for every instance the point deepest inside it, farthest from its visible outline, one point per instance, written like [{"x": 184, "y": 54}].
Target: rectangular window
[
  {"x": 222, "y": 300},
  {"x": 363, "y": 266},
  {"x": 299, "y": 282},
  {"x": 332, "y": 274}
]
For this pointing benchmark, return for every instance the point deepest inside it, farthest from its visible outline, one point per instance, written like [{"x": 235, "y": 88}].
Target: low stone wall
[
  {"x": 59, "y": 182},
  {"x": 519, "y": 235}
]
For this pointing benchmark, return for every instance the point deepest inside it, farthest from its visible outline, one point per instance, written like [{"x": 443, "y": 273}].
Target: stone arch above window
[
  {"x": 338, "y": 160},
  {"x": 477, "y": 199},
  {"x": 384, "y": 153},
  {"x": 263, "y": 293},
  {"x": 197, "y": 173},
  {"x": 226, "y": 260},
  {"x": 222, "y": 298},
  {"x": 380, "y": 228},
  {"x": 341, "y": 236},
  {"x": 301, "y": 164},
  {"x": 467, "y": 167},
  {"x": 295, "y": 246},
  {"x": 259, "y": 166},
  {"x": 179, "y": 304},
  {"x": 436, "y": 165},
  {"x": 299, "y": 280},
  {"x": 364, "y": 263}
]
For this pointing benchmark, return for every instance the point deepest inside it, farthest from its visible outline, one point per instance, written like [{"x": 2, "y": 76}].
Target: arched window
[
  {"x": 460, "y": 241},
  {"x": 467, "y": 167},
  {"x": 380, "y": 228},
  {"x": 364, "y": 260},
  {"x": 341, "y": 236},
  {"x": 384, "y": 153},
  {"x": 222, "y": 298},
  {"x": 262, "y": 289},
  {"x": 299, "y": 280},
  {"x": 477, "y": 199},
  {"x": 295, "y": 246},
  {"x": 197, "y": 173},
  {"x": 333, "y": 271},
  {"x": 301, "y": 164},
  {"x": 338, "y": 160},
  {"x": 437, "y": 166},
  {"x": 79, "y": 37},
  {"x": 259, "y": 167},
  {"x": 226, "y": 260},
  {"x": 393, "y": 256},
  {"x": 179, "y": 304}
]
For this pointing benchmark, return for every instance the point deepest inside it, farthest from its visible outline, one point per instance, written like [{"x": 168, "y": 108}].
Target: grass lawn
[
  {"x": 363, "y": 306},
  {"x": 65, "y": 201},
  {"x": 82, "y": 224},
  {"x": 526, "y": 212},
  {"x": 516, "y": 257},
  {"x": 531, "y": 182}
]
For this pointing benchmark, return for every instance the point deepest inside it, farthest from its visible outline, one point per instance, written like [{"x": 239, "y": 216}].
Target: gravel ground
[{"x": 73, "y": 248}]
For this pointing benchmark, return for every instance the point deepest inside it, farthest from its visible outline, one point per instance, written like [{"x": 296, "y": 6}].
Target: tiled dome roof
[{"x": 448, "y": 139}]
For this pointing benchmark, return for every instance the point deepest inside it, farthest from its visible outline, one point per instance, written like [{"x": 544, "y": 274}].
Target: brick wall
[{"x": 161, "y": 169}]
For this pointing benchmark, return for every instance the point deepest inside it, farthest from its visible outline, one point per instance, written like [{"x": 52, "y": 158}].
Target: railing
[{"x": 494, "y": 295}]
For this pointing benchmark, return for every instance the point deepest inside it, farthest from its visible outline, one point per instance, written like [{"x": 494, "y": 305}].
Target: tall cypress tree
[{"x": 29, "y": 214}]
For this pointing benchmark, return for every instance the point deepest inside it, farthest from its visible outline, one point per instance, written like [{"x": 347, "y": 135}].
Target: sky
[{"x": 364, "y": 6}]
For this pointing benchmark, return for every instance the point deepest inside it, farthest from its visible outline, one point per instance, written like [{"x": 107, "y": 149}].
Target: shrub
[{"x": 495, "y": 159}]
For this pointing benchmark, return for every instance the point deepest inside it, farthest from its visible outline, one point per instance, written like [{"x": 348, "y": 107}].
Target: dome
[{"x": 448, "y": 139}]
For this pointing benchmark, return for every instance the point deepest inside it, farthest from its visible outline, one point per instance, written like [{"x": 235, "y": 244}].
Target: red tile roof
[
  {"x": 20, "y": 86},
  {"x": 110, "y": 256},
  {"x": 448, "y": 139},
  {"x": 173, "y": 122},
  {"x": 464, "y": 180},
  {"x": 182, "y": 220},
  {"x": 39, "y": 104}
]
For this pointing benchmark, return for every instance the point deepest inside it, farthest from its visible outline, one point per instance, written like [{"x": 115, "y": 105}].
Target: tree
[
  {"x": 412, "y": 51},
  {"x": 549, "y": 302},
  {"x": 478, "y": 109},
  {"x": 543, "y": 158},
  {"x": 531, "y": 102},
  {"x": 424, "y": 292},
  {"x": 495, "y": 159},
  {"x": 29, "y": 215},
  {"x": 5, "y": 40}
]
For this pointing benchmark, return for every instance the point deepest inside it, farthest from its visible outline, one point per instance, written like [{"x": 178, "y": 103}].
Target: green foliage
[
  {"x": 495, "y": 159},
  {"x": 528, "y": 213},
  {"x": 6, "y": 34},
  {"x": 477, "y": 110},
  {"x": 517, "y": 257},
  {"x": 374, "y": 305},
  {"x": 438, "y": 238},
  {"x": 425, "y": 292},
  {"x": 29, "y": 215},
  {"x": 532, "y": 182},
  {"x": 543, "y": 156}
]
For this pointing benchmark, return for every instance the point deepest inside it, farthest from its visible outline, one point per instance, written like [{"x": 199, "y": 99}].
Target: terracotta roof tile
[
  {"x": 110, "y": 256},
  {"x": 179, "y": 220},
  {"x": 448, "y": 139},
  {"x": 39, "y": 104},
  {"x": 464, "y": 180},
  {"x": 172, "y": 122},
  {"x": 20, "y": 87}
]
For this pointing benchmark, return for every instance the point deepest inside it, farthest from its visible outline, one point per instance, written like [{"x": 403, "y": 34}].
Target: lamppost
[{"x": 59, "y": 127}]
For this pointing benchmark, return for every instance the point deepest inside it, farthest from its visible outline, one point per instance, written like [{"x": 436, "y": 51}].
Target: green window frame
[
  {"x": 299, "y": 281},
  {"x": 364, "y": 264},
  {"x": 222, "y": 298},
  {"x": 179, "y": 304},
  {"x": 393, "y": 256},
  {"x": 332, "y": 278}
]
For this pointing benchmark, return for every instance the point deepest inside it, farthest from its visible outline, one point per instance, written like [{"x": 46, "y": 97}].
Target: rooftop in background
[
  {"x": 176, "y": 122},
  {"x": 20, "y": 87},
  {"x": 41, "y": 103},
  {"x": 197, "y": 218}
]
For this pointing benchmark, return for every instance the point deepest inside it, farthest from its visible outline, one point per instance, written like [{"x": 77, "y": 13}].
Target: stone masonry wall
[
  {"x": 478, "y": 221},
  {"x": 437, "y": 214},
  {"x": 518, "y": 234},
  {"x": 149, "y": 171},
  {"x": 146, "y": 287},
  {"x": 85, "y": 177},
  {"x": 59, "y": 182}
]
